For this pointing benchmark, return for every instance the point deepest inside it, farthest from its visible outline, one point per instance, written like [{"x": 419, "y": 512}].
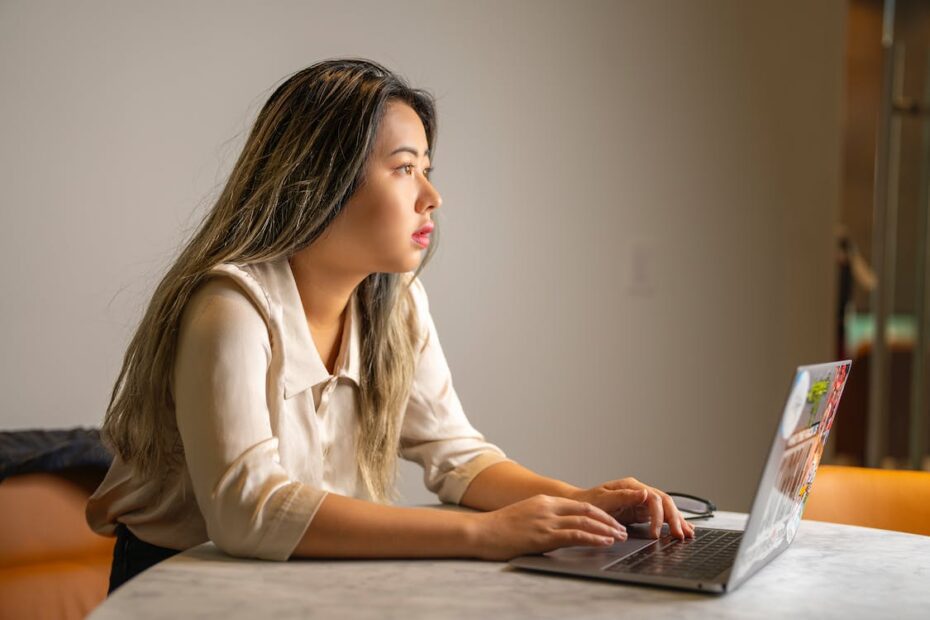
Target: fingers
[
  {"x": 657, "y": 504},
  {"x": 623, "y": 483},
  {"x": 592, "y": 526},
  {"x": 569, "y": 538},
  {"x": 572, "y": 507},
  {"x": 656, "y": 513},
  {"x": 685, "y": 526},
  {"x": 623, "y": 505},
  {"x": 661, "y": 508},
  {"x": 652, "y": 501},
  {"x": 672, "y": 515}
]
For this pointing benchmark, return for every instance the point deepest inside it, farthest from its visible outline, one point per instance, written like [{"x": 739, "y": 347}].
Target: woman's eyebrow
[{"x": 409, "y": 149}]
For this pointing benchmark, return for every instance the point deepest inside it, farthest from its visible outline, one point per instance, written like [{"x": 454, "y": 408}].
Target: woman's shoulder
[
  {"x": 240, "y": 281},
  {"x": 227, "y": 299}
]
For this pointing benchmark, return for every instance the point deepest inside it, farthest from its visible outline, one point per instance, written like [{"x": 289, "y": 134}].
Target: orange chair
[
  {"x": 52, "y": 565},
  {"x": 881, "y": 498}
]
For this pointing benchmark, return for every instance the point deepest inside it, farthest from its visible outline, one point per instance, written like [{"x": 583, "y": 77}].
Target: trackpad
[{"x": 639, "y": 537}]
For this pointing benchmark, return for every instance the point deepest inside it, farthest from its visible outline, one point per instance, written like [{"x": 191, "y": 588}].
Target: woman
[{"x": 288, "y": 357}]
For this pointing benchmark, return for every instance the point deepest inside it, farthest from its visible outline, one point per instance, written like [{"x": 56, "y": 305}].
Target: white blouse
[{"x": 268, "y": 432}]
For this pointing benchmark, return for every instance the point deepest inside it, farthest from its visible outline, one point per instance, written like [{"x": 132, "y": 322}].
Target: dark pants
[{"x": 131, "y": 556}]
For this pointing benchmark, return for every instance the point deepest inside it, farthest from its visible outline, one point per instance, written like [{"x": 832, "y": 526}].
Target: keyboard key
[{"x": 705, "y": 556}]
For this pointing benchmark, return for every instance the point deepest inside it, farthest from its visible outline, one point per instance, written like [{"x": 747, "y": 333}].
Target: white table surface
[{"x": 829, "y": 571}]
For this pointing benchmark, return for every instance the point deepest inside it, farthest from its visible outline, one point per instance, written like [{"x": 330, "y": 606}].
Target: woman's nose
[{"x": 431, "y": 199}]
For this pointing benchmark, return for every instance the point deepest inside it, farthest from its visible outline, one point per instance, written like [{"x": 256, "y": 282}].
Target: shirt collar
[{"x": 303, "y": 367}]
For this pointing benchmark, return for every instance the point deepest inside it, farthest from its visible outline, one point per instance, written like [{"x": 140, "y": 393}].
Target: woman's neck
[{"x": 324, "y": 291}]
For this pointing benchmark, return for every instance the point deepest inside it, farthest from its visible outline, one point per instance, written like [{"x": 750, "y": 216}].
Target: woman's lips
[{"x": 421, "y": 236}]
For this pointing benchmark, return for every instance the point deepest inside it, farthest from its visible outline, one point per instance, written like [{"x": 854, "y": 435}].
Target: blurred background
[{"x": 653, "y": 211}]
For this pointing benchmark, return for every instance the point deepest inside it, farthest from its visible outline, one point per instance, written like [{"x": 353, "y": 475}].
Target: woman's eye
[{"x": 426, "y": 172}]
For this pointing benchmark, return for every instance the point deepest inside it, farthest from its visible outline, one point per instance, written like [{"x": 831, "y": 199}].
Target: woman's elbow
[{"x": 267, "y": 530}]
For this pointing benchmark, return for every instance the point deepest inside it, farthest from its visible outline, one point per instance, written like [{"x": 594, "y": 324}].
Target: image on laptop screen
[{"x": 802, "y": 433}]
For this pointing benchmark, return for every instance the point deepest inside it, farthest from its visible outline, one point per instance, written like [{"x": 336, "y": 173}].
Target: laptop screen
[{"x": 791, "y": 465}]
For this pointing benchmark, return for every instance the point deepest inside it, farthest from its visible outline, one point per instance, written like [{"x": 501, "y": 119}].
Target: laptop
[{"x": 719, "y": 560}]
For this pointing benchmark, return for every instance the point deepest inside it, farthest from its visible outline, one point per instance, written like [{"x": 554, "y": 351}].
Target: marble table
[{"x": 829, "y": 571}]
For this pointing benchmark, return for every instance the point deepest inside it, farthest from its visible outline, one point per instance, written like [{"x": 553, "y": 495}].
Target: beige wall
[{"x": 638, "y": 206}]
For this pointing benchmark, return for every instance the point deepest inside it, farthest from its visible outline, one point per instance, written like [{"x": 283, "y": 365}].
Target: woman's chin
[{"x": 404, "y": 265}]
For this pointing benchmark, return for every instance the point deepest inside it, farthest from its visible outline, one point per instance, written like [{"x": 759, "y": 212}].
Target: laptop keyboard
[{"x": 705, "y": 556}]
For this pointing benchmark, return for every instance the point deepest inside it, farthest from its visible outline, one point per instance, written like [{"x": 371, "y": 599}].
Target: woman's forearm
[
  {"x": 507, "y": 482},
  {"x": 352, "y": 528},
  {"x": 345, "y": 527}
]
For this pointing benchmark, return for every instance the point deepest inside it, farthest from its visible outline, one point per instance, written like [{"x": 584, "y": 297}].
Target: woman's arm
[
  {"x": 345, "y": 527},
  {"x": 628, "y": 499},
  {"x": 507, "y": 482}
]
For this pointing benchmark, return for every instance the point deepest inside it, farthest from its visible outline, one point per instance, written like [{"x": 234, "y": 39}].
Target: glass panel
[{"x": 884, "y": 247}]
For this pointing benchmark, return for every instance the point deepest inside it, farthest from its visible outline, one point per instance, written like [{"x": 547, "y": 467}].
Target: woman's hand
[
  {"x": 542, "y": 523},
  {"x": 630, "y": 501}
]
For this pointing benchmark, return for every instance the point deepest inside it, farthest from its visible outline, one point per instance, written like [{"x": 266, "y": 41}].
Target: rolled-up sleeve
[
  {"x": 251, "y": 506},
  {"x": 435, "y": 431}
]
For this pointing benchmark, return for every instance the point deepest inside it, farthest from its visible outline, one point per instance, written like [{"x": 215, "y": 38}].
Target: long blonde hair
[{"x": 304, "y": 157}]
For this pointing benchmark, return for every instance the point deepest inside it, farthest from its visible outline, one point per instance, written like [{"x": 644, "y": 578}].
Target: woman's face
[{"x": 374, "y": 231}]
